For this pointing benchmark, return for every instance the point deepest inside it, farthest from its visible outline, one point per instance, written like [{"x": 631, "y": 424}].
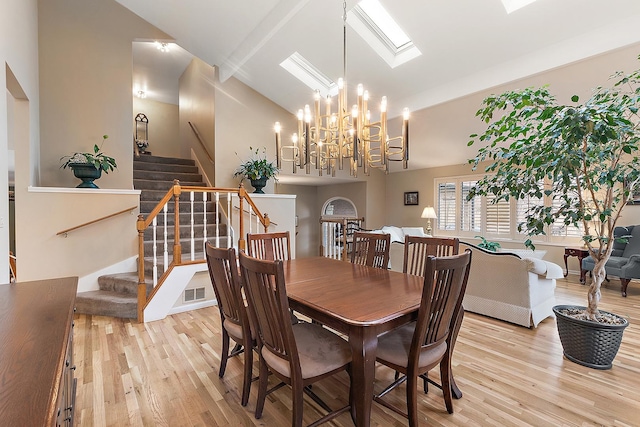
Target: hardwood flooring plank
[{"x": 165, "y": 373}]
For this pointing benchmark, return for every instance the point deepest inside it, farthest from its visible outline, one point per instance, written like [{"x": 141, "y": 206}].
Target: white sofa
[
  {"x": 396, "y": 251},
  {"x": 510, "y": 288}
]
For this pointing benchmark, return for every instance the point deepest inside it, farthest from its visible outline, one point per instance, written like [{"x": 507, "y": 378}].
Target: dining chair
[
  {"x": 223, "y": 270},
  {"x": 297, "y": 354},
  {"x": 269, "y": 246},
  {"x": 418, "y": 248},
  {"x": 416, "y": 251},
  {"x": 414, "y": 349},
  {"x": 371, "y": 249}
]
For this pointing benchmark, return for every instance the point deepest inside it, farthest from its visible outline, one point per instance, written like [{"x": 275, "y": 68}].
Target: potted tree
[
  {"x": 586, "y": 155},
  {"x": 257, "y": 169},
  {"x": 89, "y": 166}
]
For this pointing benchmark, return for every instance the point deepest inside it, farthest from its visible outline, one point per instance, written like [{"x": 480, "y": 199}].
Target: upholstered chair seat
[
  {"x": 394, "y": 348},
  {"x": 320, "y": 351}
]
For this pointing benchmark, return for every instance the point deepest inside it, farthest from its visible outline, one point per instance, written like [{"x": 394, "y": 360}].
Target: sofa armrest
[{"x": 544, "y": 268}]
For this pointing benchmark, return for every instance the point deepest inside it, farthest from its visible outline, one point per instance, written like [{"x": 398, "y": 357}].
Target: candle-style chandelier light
[{"x": 327, "y": 141}]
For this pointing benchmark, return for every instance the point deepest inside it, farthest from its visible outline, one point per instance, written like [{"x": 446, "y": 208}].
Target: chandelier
[{"x": 331, "y": 140}]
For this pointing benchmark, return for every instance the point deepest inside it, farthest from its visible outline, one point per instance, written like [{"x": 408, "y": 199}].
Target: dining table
[{"x": 359, "y": 301}]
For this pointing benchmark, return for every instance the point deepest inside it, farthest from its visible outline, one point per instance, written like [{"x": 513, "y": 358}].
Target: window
[
  {"x": 471, "y": 211},
  {"x": 339, "y": 206},
  {"x": 374, "y": 24},
  {"x": 524, "y": 205},
  {"x": 498, "y": 217},
  {"x": 447, "y": 206},
  {"x": 560, "y": 229},
  {"x": 479, "y": 216}
]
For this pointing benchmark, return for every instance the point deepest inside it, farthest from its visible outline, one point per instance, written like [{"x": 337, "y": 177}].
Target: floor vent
[{"x": 193, "y": 294}]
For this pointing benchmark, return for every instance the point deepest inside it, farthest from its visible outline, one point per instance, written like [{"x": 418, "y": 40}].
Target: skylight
[
  {"x": 308, "y": 74},
  {"x": 385, "y": 23},
  {"x": 372, "y": 22},
  {"x": 513, "y": 5}
]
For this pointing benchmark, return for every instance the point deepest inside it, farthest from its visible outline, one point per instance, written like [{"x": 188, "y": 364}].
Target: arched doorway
[
  {"x": 339, "y": 207},
  {"x": 339, "y": 220}
]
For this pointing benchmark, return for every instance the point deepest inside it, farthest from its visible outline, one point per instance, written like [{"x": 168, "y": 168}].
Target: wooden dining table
[{"x": 359, "y": 301}]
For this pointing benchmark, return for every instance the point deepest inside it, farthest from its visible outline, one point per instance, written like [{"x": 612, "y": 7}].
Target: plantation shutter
[
  {"x": 523, "y": 206},
  {"x": 447, "y": 206},
  {"x": 498, "y": 216},
  {"x": 470, "y": 211}
]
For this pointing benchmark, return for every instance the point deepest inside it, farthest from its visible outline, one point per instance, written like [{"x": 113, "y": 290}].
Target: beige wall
[
  {"x": 308, "y": 213},
  {"x": 84, "y": 61},
  {"x": 244, "y": 119},
  {"x": 43, "y": 254},
  {"x": 19, "y": 79},
  {"x": 422, "y": 181},
  {"x": 164, "y": 134},
  {"x": 85, "y": 58},
  {"x": 197, "y": 105}
]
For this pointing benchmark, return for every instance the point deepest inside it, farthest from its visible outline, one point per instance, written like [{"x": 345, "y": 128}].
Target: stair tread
[
  {"x": 161, "y": 159},
  {"x": 154, "y": 176},
  {"x": 116, "y": 296}
]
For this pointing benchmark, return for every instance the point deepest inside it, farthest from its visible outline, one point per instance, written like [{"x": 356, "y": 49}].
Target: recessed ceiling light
[{"x": 163, "y": 47}]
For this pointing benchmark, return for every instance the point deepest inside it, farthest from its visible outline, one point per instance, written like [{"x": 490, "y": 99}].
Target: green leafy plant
[
  {"x": 585, "y": 153},
  {"x": 98, "y": 159},
  {"x": 257, "y": 166},
  {"x": 486, "y": 244}
]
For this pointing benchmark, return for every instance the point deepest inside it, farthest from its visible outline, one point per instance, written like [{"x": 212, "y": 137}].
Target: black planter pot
[
  {"x": 87, "y": 172},
  {"x": 587, "y": 343},
  {"x": 259, "y": 184}
]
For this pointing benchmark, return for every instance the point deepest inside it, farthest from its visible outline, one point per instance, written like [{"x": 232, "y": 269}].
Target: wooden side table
[{"x": 581, "y": 253}]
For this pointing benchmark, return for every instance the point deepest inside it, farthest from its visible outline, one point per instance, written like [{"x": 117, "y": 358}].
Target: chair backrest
[
  {"x": 418, "y": 248},
  {"x": 445, "y": 281},
  {"x": 269, "y": 308},
  {"x": 227, "y": 285},
  {"x": 269, "y": 246},
  {"x": 371, "y": 249}
]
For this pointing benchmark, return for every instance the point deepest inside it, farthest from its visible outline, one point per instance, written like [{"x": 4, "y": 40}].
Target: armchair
[{"x": 625, "y": 257}]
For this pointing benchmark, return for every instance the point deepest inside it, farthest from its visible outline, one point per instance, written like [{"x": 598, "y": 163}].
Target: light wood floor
[{"x": 165, "y": 373}]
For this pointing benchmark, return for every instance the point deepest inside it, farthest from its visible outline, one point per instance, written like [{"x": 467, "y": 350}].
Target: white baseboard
[{"x": 194, "y": 306}]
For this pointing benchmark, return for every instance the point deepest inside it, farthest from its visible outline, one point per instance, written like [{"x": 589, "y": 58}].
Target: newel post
[
  {"x": 267, "y": 222},
  {"x": 142, "y": 287},
  {"x": 177, "y": 248},
  {"x": 242, "y": 193}
]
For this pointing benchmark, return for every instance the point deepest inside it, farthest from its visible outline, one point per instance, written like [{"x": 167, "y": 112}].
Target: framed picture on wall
[{"x": 411, "y": 198}]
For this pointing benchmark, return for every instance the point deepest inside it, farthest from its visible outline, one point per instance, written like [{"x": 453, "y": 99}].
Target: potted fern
[
  {"x": 587, "y": 155},
  {"x": 89, "y": 166},
  {"x": 257, "y": 169}
]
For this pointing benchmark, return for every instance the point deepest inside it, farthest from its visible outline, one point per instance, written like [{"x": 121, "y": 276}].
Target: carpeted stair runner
[{"x": 154, "y": 176}]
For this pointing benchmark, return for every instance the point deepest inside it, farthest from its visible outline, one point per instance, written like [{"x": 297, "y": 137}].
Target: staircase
[{"x": 154, "y": 176}]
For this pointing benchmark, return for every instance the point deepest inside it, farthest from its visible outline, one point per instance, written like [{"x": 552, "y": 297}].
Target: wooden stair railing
[
  {"x": 173, "y": 196},
  {"x": 337, "y": 235},
  {"x": 201, "y": 141},
  {"x": 68, "y": 230}
]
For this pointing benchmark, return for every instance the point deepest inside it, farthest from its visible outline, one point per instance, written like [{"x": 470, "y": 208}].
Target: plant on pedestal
[
  {"x": 586, "y": 155},
  {"x": 89, "y": 166},
  {"x": 257, "y": 169}
]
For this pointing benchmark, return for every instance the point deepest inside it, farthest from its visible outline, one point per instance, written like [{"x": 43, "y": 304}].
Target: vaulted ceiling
[{"x": 468, "y": 47}]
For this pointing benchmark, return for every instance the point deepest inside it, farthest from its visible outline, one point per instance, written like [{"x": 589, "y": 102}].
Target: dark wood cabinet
[{"x": 36, "y": 353}]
